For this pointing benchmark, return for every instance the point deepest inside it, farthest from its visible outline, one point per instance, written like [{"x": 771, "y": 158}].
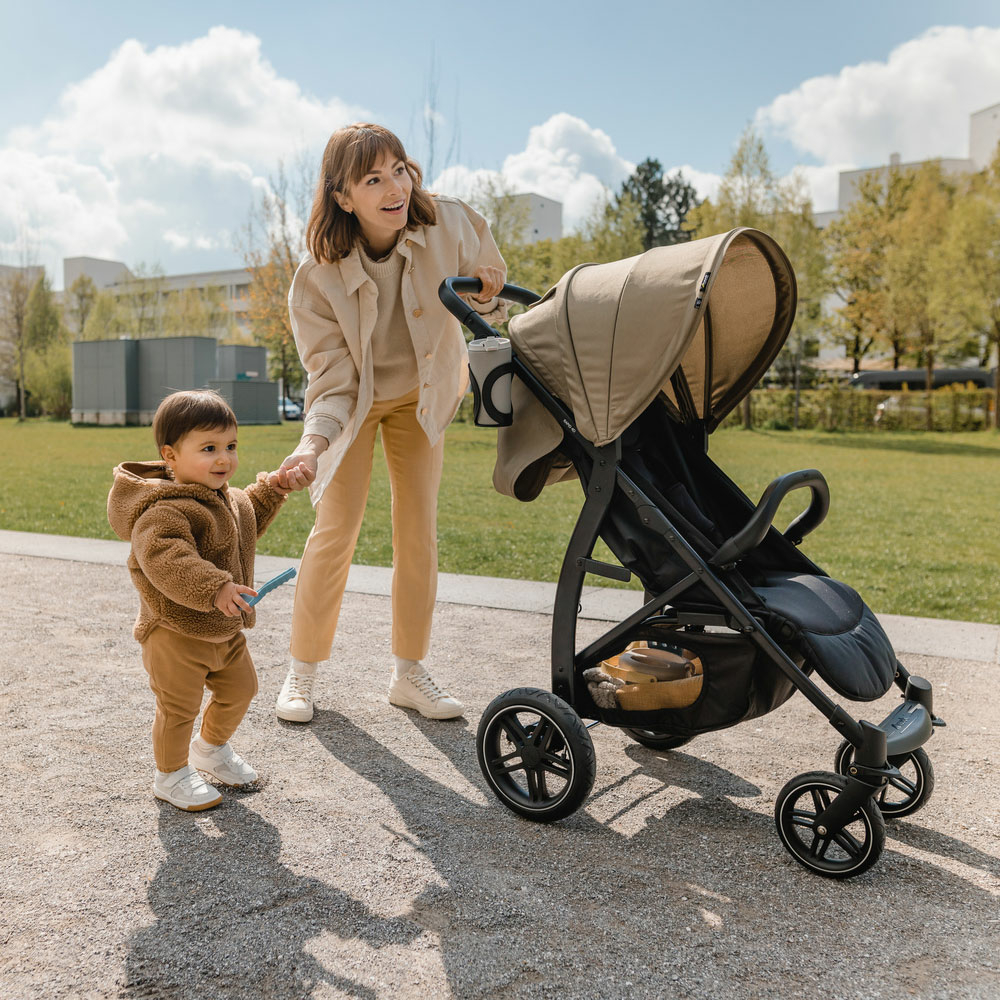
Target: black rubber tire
[
  {"x": 656, "y": 740},
  {"x": 529, "y": 739},
  {"x": 901, "y": 796},
  {"x": 853, "y": 851}
]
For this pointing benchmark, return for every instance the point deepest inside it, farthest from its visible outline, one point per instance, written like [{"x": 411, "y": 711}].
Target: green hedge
[{"x": 954, "y": 408}]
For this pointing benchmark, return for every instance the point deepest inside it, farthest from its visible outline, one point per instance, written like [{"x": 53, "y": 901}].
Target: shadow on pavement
[{"x": 232, "y": 920}]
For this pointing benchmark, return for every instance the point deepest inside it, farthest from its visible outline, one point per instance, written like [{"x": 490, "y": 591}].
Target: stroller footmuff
[{"x": 621, "y": 373}]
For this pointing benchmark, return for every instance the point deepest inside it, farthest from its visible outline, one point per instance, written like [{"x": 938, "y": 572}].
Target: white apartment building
[
  {"x": 984, "y": 134},
  {"x": 544, "y": 217},
  {"x": 114, "y": 276}
]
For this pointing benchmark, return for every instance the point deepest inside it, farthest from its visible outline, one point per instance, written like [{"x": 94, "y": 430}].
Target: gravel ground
[{"x": 373, "y": 863}]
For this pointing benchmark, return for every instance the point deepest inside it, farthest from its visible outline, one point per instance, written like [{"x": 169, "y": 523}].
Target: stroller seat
[{"x": 837, "y": 631}]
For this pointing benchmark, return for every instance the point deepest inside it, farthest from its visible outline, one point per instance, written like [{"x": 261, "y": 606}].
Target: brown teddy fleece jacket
[{"x": 187, "y": 541}]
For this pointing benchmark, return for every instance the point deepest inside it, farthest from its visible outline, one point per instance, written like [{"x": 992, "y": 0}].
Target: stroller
[{"x": 620, "y": 373}]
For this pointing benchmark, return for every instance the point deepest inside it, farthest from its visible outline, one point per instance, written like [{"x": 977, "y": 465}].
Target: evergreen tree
[{"x": 662, "y": 203}]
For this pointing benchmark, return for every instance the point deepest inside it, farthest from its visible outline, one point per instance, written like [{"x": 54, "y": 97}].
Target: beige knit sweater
[{"x": 187, "y": 541}]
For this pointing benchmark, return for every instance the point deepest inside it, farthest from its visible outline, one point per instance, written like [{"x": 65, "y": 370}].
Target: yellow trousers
[
  {"x": 180, "y": 668},
  {"x": 414, "y": 478}
]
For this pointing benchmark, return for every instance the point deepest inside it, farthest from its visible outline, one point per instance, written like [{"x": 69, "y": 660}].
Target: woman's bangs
[{"x": 369, "y": 147}]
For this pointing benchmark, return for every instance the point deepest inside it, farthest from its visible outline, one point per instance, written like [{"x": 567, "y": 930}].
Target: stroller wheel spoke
[{"x": 557, "y": 766}]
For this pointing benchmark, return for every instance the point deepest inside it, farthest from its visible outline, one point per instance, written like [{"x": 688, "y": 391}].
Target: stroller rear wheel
[
  {"x": 905, "y": 794},
  {"x": 536, "y": 754},
  {"x": 656, "y": 740},
  {"x": 852, "y": 850}
]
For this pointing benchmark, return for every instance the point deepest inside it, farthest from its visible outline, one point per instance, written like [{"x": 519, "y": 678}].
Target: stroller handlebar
[
  {"x": 451, "y": 289},
  {"x": 755, "y": 530}
]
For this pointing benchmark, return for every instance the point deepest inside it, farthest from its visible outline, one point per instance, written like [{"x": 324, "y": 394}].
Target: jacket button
[
  {"x": 409, "y": 243},
  {"x": 423, "y": 412},
  {"x": 427, "y": 357},
  {"x": 427, "y": 385},
  {"x": 418, "y": 313}
]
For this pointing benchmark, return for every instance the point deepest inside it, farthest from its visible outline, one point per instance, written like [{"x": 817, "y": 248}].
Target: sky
[{"x": 145, "y": 133}]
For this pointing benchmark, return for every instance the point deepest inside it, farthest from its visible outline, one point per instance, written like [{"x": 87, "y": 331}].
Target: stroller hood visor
[{"x": 699, "y": 322}]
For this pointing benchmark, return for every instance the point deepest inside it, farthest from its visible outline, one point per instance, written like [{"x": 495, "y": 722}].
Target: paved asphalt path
[{"x": 373, "y": 863}]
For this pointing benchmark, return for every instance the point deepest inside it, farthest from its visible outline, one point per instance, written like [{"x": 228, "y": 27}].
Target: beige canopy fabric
[{"x": 699, "y": 322}]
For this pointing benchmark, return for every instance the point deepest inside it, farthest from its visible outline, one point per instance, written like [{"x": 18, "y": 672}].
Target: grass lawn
[{"x": 912, "y": 523}]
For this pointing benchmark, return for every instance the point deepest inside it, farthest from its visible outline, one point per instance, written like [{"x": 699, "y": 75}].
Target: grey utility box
[
  {"x": 240, "y": 361},
  {"x": 105, "y": 382},
  {"x": 167, "y": 364},
  {"x": 124, "y": 381},
  {"x": 252, "y": 401}
]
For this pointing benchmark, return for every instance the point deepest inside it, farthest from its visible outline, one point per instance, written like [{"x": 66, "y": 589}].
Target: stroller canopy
[{"x": 699, "y": 322}]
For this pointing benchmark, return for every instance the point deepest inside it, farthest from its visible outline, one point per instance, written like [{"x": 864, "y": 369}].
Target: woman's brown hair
[{"x": 351, "y": 153}]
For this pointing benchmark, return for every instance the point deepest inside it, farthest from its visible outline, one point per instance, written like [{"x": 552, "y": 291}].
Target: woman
[{"x": 381, "y": 353}]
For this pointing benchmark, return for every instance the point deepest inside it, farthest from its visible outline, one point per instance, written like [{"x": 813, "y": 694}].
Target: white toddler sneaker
[
  {"x": 222, "y": 763},
  {"x": 295, "y": 702},
  {"x": 186, "y": 789},
  {"x": 417, "y": 689}
]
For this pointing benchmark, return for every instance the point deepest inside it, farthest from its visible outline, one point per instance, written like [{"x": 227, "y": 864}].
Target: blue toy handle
[{"x": 276, "y": 581}]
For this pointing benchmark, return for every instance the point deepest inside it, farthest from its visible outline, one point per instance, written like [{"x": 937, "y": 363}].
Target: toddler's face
[{"x": 204, "y": 456}]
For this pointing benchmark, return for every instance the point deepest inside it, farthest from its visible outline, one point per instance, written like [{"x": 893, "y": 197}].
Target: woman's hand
[
  {"x": 296, "y": 477},
  {"x": 299, "y": 469},
  {"x": 229, "y": 599},
  {"x": 492, "y": 279}
]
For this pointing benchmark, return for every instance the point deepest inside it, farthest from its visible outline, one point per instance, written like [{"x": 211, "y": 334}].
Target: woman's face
[{"x": 381, "y": 202}]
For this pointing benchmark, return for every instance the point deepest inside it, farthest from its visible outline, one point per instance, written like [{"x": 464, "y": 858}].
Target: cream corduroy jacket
[{"x": 333, "y": 308}]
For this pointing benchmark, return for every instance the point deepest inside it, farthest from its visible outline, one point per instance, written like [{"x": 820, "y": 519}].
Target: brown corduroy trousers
[
  {"x": 180, "y": 668},
  {"x": 414, "y": 478}
]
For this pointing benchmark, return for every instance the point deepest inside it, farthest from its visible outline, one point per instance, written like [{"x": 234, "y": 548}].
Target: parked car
[{"x": 289, "y": 409}]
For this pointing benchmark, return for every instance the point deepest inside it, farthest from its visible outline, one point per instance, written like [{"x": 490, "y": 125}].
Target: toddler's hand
[
  {"x": 229, "y": 599},
  {"x": 289, "y": 478}
]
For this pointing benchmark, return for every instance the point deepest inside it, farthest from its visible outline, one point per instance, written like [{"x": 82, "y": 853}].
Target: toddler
[{"x": 193, "y": 542}]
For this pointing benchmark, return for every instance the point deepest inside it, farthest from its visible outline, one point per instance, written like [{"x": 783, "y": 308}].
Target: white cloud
[
  {"x": 564, "y": 159},
  {"x": 185, "y": 133},
  {"x": 917, "y": 103}
]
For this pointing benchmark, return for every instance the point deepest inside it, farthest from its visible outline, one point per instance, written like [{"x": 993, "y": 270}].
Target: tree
[
  {"x": 273, "y": 241},
  {"x": 915, "y": 296},
  {"x": 14, "y": 292},
  {"x": 80, "y": 298},
  {"x": 142, "y": 300},
  {"x": 42, "y": 321},
  {"x": 858, "y": 244},
  {"x": 46, "y": 364},
  {"x": 662, "y": 203},
  {"x": 106, "y": 319},
  {"x": 969, "y": 289},
  {"x": 197, "y": 312}
]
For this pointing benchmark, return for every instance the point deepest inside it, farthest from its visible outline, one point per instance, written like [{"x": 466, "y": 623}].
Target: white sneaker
[
  {"x": 186, "y": 789},
  {"x": 222, "y": 763},
  {"x": 295, "y": 702},
  {"x": 417, "y": 689}
]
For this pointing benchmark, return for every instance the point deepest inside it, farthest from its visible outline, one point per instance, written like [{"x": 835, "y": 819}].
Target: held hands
[
  {"x": 296, "y": 472},
  {"x": 229, "y": 599},
  {"x": 492, "y": 279}
]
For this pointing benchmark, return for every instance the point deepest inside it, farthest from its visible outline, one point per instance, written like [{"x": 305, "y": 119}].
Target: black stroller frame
[{"x": 831, "y": 823}]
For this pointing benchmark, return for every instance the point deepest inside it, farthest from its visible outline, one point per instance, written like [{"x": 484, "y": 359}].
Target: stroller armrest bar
[
  {"x": 755, "y": 530},
  {"x": 451, "y": 289}
]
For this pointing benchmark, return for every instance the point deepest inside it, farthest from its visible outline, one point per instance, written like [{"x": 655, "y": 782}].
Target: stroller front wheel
[
  {"x": 836, "y": 854},
  {"x": 904, "y": 794},
  {"x": 536, "y": 754}
]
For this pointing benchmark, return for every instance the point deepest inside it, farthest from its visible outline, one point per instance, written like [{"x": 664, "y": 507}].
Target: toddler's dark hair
[{"x": 190, "y": 410}]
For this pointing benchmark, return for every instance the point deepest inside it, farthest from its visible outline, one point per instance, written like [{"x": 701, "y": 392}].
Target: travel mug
[{"x": 490, "y": 371}]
